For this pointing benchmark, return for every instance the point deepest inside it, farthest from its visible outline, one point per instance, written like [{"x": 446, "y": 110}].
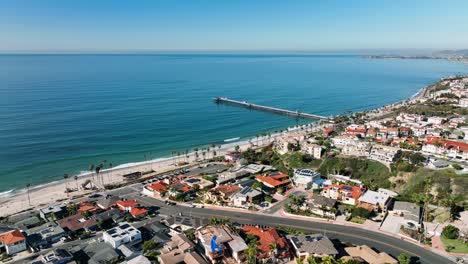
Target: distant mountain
[{"x": 461, "y": 52}]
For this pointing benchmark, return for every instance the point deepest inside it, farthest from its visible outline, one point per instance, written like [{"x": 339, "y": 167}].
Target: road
[{"x": 346, "y": 234}]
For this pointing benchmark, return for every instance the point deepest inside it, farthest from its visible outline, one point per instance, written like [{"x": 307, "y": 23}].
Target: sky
[{"x": 240, "y": 25}]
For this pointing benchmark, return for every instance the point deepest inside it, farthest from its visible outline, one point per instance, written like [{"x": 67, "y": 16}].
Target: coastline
[{"x": 14, "y": 201}]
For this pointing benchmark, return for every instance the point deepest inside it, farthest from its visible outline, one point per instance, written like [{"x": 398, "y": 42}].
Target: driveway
[{"x": 392, "y": 224}]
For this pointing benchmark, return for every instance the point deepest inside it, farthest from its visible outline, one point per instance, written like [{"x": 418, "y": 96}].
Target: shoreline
[{"x": 16, "y": 200}]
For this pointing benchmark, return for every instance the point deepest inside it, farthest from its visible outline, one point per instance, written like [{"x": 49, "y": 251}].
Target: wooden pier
[{"x": 269, "y": 109}]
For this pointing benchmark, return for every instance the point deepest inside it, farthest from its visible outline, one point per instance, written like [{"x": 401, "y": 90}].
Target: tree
[
  {"x": 76, "y": 181},
  {"x": 328, "y": 260},
  {"x": 237, "y": 147},
  {"x": 404, "y": 259},
  {"x": 450, "y": 232},
  {"x": 149, "y": 246},
  {"x": 251, "y": 252},
  {"x": 257, "y": 185},
  {"x": 273, "y": 251},
  {"x": 311, "y": 260}
]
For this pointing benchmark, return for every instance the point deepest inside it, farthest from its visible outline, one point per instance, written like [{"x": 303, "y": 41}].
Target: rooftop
[{"x": 315, "y": 244}]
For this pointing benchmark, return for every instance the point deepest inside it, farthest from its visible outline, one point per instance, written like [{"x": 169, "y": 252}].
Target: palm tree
[
  {"x": 29, "y": 198},
  {"x": 208, "y": 151},
  {"x": 203, "y": 154},
  {"x": 65, "y": 177},
  {"x": 98, "y": 169},
  {"x": 273, "y": 251},
  {"x": 251, "y": 252},
  {"x": 76, "y": 181}
]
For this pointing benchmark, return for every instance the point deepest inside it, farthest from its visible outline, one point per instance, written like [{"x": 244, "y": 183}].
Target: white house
[
  {"x": 384, "y": 154},
  {"x": 121, "y": 234},
  {"x": 410, "y": 212},
  {"x": 312, "y": 149},
  {"x": 375, "y": 200},
  {"x": 305, "y": 177}
]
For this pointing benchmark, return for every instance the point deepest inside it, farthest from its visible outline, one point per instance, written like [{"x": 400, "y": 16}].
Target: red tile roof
[
  {"x": 328, "y": 131},
  {"x": 348, "y": 190},
  {"x": 228, "y": 189},
  {"x": 127, "y": 203},
  {"x": 76, "y": 222},
  {"x": 274, "y": 179},
  {"x": 11, "y": 237},
  {"x": 266, "y": 237},
  {"x": 159, "y": 186},
  {"x": 181, "y": 187},
  {"x": 135, "y": 212},
  {"x": 448, "y": 144},
  {"x": 86, "y": 207}
]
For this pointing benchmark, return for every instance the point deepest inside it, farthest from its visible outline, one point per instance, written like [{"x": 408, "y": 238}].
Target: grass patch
[
  {"x": 455, "y": 245},
  {"x": 295, "y": 160},
  {"x": 357, "y": 220}
]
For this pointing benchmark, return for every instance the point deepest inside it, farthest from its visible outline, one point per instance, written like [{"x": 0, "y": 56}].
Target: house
[
  {"x": 182, "y": 223},
  {"x": 446, "y": 147},
  {"x": 341, "y": 141},
  {"x": 220, "y": 242},
  {"x": 113, "y": 215},
  {"x": 139, "y": 259},
  {"x": 388, "y": 133},
  {"x": 305, "y": 177},
  {"x": 27, "y": 223},
  {"x": 437, "y": 164},
  {"x": 322, "y": 206},
  {"x": 343, "y": 193},
  {"x": 355, "y": 131},
  {"x": 180, "y": 250},
  {"x": 138, "y": 212},
  {"x": 77, "y": 222},
  {"x": 156, "y": 190},
  {"x": 246, "y": 196},
  {"x": 126, "y": 205},
  {"x": 375, "y": 201},
  {"x": 435, "y": 120},
  {"x": 410, "y": 212},
  {"x": 222, "y": 193},
  {"x": 107, "y": 202},
  {"x": 369, "y": 255},
  {"x": 344, "y": 179},
  {"x": 356, "y": 148},
  {"x": 390, "y": 193},
  {"x": 198, "y": 181},
  {"x": 384, "y": 154},
  {"x": 97, "y": 253},
  {"x": 122, "y": 234},
  {"x": 179, "y": 188},
  {"x": 463, "y": 102},
  {"x": 45, "y": 234},
  {"x": 52, "y": 212},
  {"x": 328, "y": 131},
  {"x": 12, "y": 241},
  {"x": 266, "y": 237},
  {"x": 232, "y": 156},
  {"x": 274, "y": 180},
  {"x": 87, "y": 207},
  {"x": 312, "y": 245},
  {"x": 56, "y": 256},
  {"x": 312, "y": 149}
]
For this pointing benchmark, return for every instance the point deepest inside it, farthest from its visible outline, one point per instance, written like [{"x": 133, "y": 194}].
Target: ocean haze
[{"x": 60, "y": 113}]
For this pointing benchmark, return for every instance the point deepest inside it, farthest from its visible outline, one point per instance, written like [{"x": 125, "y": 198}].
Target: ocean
[{"x": 61, "y": 113}]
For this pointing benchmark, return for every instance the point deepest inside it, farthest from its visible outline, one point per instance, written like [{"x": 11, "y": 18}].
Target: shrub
[{"x": 450, "y": 232}]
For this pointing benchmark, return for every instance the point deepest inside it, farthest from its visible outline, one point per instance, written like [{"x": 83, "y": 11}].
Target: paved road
[{"x": 347, "y": 234}]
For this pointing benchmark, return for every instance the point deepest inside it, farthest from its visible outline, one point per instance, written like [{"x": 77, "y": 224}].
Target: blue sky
[{"x": 81, "y": 25}]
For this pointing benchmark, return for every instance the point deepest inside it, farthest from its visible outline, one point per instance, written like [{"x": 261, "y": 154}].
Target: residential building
[
  {"x": 341, "y": 141},
  {"x": 464, "y": 102},
  {"x": 356, "y": 148},
  {"x": 107, "y": 202},
  {"x": 436, "y": 120},
  {"x": 198, "y": 181},
  {"x": 183, "y": 223},
  {"x": 369, "y": 255},
  {"x": 222, "y": 193},
  {"x": 343, "y": 193},
  {"x": 12, "y": 241},
  {"x": 156, "y": 190},
  {"x": 410, "y": 212},
  {"x": 77, "y": 223},
  {"x": 140, "y": 259},
  {"x": 126, "y": 205},
  {"x": 228, "y": 243},
  {"x": 45, "y": 234},
  {"x": 122, "y": 234},
  {"x": 179, "y": 188},
  {"x": 113, "y": 215},
  {"x": 52, "y": 212},
  {"x": 355, "y": 131},
  {"x": 390, "y": 193},
  {"x": 56, "y": 256},
  {"x": 312, "y": 245},
  {"x": 267, "y": 237},
  {"x": 305, "y": 177},
  {"x": 312, "y": 149},
  {"x": 328, "y": 131},
  {"x": 384, "y": 154},
  {"x": 98, "y": 253},
  {"x": 232, "y": 156},
  {"x": 274, "y": 180},
  {"x": 375, "y": 201},
  {"x": 446, "y": 147},
  {"x": 245, "y": 197},
  {"x": 322, "y": 206}
]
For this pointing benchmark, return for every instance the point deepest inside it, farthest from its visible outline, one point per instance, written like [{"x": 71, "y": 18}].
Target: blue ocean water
[{"x": 60, "y": 113}]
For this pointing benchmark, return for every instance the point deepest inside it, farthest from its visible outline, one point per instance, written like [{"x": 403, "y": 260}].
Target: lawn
[
  {"x": 457, "y": 245},
  {"x": 357, "y": 220},
  {"x": 295, "y": 161}
]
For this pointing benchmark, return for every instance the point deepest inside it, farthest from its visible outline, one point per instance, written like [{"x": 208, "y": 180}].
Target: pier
[{"x": 269, "y": 108}]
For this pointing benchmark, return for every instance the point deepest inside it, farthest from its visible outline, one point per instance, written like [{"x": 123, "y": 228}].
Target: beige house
[{"x": 370, "y": 256}]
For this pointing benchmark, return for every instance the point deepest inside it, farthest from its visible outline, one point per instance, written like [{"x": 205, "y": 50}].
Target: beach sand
[{"x": 46, "y": 194}]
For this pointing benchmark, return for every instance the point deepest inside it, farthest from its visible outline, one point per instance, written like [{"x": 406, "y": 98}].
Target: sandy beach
[{"x": 43, "y": 195}]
